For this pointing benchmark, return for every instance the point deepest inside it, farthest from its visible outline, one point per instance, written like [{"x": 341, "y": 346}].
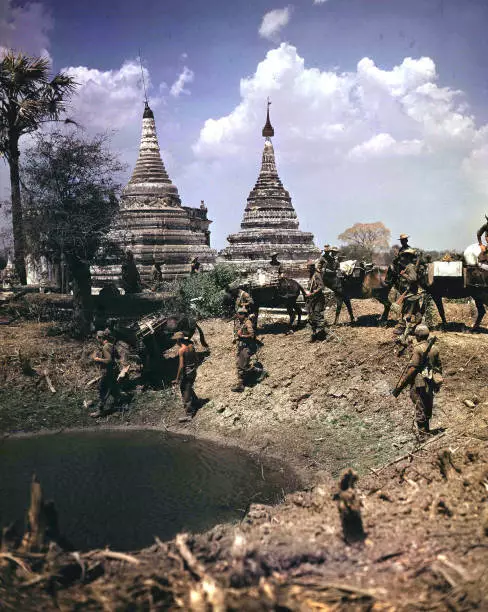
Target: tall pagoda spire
[
  {"x": 270, "y": 224},
  {"x": 268, "y": 130},
  {"x": 152, "y": 223},
  {"x": 149, "y": 176}
]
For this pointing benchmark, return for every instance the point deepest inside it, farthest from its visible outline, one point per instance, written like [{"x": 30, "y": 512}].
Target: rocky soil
[{"x": 324, "y": 407}]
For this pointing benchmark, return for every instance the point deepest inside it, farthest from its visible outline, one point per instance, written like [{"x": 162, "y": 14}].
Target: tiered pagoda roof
[
  {"x": 152, "y": 222},
  {"x": 270, "y": 224}
]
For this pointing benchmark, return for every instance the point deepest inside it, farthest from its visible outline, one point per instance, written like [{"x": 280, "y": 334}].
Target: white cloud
[
  {"x": 109, "y": 99},
  {"x": 320, "y": 1},
  {"x": 423, "y": 160},
  {"x": 273, "y": 22},
  {"x": 25, "y": 28},
  {"x": 384, "y": 144},
  {"x": 184, "y": 78}
]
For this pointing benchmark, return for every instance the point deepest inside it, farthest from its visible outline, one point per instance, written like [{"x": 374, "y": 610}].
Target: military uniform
[
  {"x": 483, "y": 230},
  {"x": 329, "y": 266},
  {"x": 423, "y": 384},
  {"x": 316, "y": 304},
  {"x": 190, "y": 365},
  {"x": 244, "y": 300},
  {"x": 483, "y": 256},
  {"x": 108, "y": 385},
  {"x": 246, "y": 347}
]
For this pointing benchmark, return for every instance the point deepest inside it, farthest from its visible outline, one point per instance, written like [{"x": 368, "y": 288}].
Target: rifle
[{"x": 401, "y": 384}]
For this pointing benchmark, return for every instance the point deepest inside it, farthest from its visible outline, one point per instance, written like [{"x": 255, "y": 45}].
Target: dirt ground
[{"x": 324, "y": 407}]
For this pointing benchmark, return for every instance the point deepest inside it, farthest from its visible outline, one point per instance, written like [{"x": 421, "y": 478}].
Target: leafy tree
[
  {"x": 203, "y": 293},
  {"x": 70, "y": 199},
  {"x": 28, "y": 98},
  {"x": 363, "y": 240}
]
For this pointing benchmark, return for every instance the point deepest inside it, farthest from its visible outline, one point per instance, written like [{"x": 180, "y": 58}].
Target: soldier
[
  {"x": 479, "y": 235},
  {"x": 329, "y": 266},
  {"x": 156, "y": 275},
  {"x": 483, "y": 256},
  {"x": 405, "y": 255},
  {"x": 187, "y": 373},
  {"x": 413, "y": 310},
  {"x": 315, "y": 302},
  {"x": 131, "y": 280},
  {"x": 245, "y": 301},
  {"x": 195, "y": 265},
  {"x": 108, "y": 385},
  {"x": 245, "y": 338},
  {"x": 424, "y": 374},
  {"x": 277, "y": 266}
]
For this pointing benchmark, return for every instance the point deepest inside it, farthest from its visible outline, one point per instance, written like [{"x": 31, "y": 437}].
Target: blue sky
[{"x": 363, "y": 133}]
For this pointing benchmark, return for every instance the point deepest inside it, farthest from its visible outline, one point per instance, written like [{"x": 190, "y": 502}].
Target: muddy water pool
[{"x": 122, "y": 488}]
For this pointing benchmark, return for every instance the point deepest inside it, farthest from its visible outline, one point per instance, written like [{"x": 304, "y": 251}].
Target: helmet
[
  {"x": 334, "y": 249},
  {"x": 422, "y": 331},
  {"x": 404, "y": 236},
  {"x": 274, "y": 255},
  {"x": 104, "y": 334},
  {"x": 179, "y": 336},
  {"x": 326, "y": 247}
]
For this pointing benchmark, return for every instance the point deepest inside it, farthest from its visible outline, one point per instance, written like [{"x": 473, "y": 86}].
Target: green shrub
[{"x": 203, "y": 293}]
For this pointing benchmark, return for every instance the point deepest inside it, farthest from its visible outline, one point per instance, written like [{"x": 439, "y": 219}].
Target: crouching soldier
[
  {"x": 424, "y": 374},
  {"x": 187, "y": 373},
  {"x": 315, "y": 303},
  {"x": 245, "y": 338},
  {"x": 108, "y": 385}
]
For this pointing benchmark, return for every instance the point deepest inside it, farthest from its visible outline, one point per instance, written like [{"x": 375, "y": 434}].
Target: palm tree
[{"x": 28, "y": 98}]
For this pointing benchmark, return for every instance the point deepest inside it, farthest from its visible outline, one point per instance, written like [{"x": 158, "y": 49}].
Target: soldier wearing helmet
[
  {"x": 405, "y": 256},
  {"x": 330, "y": 268},
  {"x": 424, "y": 374},
  {"x": 245, "y": 338},
  {"x": 107, "y": 361},
  {"x": 315, "y": 302}
]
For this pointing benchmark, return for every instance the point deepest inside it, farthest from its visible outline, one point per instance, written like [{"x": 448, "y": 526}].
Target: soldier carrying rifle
[{"x": 424, "y": 374}]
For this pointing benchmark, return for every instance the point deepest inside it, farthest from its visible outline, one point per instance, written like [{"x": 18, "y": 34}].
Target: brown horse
[{"x": 370, "y": 284}]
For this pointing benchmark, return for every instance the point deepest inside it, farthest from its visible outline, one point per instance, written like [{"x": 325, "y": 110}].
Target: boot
[
  {"x": 321, "y": 335},
  {"x": 262, "y": 374},
  {"x": 313, "y": 337},
  {"x": 239, "y": 388}
]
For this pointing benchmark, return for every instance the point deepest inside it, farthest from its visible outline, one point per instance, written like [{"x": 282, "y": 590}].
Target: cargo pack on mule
[{"x": 150, "y": 336}]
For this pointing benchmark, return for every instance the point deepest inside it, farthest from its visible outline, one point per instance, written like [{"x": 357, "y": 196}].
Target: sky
[{"x": 379, "y": 106}]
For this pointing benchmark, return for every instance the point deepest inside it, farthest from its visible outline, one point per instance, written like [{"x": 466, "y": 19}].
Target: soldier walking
[
  {"x": 315, "y": 302},
  {"x": 108, "y": 385},
  {"x": 245, "y": 338},
  {"x": 424, "y": 374},
  {"x": 187, "y": 373}
]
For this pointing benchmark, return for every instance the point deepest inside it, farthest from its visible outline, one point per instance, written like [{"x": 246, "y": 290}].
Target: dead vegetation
[{"x": 411, "y": 533}]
